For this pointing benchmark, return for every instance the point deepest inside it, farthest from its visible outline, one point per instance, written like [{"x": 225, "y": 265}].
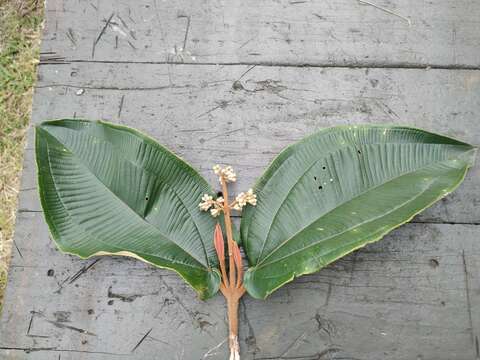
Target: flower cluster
[
  {"x": 215, "y": 206},
  {"x": 225, "y": 173},
  {"x": 243, "y": 198}
]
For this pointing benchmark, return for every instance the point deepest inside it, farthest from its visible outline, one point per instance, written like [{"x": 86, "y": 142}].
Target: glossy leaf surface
[
  {"x": 108, "y": 189},
  {"x": 339, "y": 190}
]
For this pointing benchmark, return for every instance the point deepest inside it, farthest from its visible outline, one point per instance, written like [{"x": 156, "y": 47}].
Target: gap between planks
[{"x": 356, "y": 65}]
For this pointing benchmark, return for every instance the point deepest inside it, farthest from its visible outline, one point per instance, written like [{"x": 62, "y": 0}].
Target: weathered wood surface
[
  {"x": 388, "y": 301},
  {"x": 413, "y": 295},
  {"x": 198, "y": 110},
  {"x": 346, "y": 32}
]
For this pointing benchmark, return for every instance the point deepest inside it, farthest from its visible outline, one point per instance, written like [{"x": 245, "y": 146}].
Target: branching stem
[{"x": 232, "y": 287}]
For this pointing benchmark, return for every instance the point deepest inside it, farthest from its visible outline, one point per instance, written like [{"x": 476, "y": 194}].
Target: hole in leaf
[
  {"x": 315, "y": 178},
  {"x": 146, "y": 198},
  {"x": 359, "y": 151},
  {"x": 320, "y": 187},
  {"x": 50, "y": 272},
  {"x": 324, "y": 167}
]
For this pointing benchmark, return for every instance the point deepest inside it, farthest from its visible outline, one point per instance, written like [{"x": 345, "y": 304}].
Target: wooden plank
[
  {"x": 421, "y": 282},
  {"x": 412, "y": 295},
  {"x": 441, "y": 33},
  {"x": 198, "y": 111}
]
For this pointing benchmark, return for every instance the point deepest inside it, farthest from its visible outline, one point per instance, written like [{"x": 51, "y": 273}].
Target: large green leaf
[
  {"x": 339, "y": 190},
  {"x": 108, "y": 189}
]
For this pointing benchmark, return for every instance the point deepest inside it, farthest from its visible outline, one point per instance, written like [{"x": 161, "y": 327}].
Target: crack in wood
[
  {"x": 18, "y": 250},
  {"x": 222, "y": 105},
  {"x": 291, "y": 345},
  {"x": 51, "y": 58},
  {"x": 101, "y": 34},
  {"x": 120, "y": 107},
  {"x": 28, "y": 189},
  {"x": 329, "y": 294},
  {"x": 82, "y": 271},
  {"x": 324, "y": 325},
  {"x": 131, "y": 45},
  {"x": 246, "y": 72},
  {"x": 71, "y": 36},
  {"x": 467, "y": 295},
  {"x": 113, "y": 87},
  {"x": 28, "y": 349},
  {"x": 186, "y": 33},
  {"x": 54, "y": 349},
  {"x": 38, "y": 336},
  {"x": 31, "y": 322},
  {"x": 178, "y": 300},
  {"x": 348, "y": 65},
  {"x": 409, "y": 22},
  {"x": 61, "y": 325},
  {"x": 71, "y": 279},
  {"x": 477, "y": 349},
  {"x": 141, "y": 340},
  {"x": 125, "y": 297},
  {"x": 29, "y": 211},
  {"x": 251, "y": 339}
]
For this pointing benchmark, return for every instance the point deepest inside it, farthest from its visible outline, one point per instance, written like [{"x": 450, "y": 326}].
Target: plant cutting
[{"x": 107, "y": 189}]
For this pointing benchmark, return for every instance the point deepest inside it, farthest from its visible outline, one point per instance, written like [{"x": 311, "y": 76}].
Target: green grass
[{"x": 20, "y": 25}]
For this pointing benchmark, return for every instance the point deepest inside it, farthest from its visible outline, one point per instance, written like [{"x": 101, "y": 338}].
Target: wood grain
[
  {"x": 441, "y": 33},
  {"x": 197, "y": 111},
  {"x": 394, "y": 292}
]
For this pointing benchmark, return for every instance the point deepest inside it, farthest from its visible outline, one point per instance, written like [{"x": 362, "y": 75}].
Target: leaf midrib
[
  {"x": 293, "y": 186},
  {"x": 263, "y": 264},
  {"x": 114, "y": 195},
  {"x": 283, "y": 201},
  {"x": 151, "y": 171},
  {"x": 366, "y": 191}
]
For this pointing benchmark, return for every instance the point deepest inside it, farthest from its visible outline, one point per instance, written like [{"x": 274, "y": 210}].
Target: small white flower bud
[
  {"x": 227, "y": 174},
  {"x": 217, "y": 169},
  {"x": 251, "y": 198},
  {"x": 215, "y": 212},
  {"x": 206, "y": 203}
]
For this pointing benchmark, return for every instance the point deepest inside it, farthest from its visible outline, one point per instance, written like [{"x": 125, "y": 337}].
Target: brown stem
[
  {"x": 231, "y": 288},
  {"x": 232, "y": 304},
  {"x": 228, "y": 227}
]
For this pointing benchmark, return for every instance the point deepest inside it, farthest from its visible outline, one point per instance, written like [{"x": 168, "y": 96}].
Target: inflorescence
[{"x": 216, "y": 206}]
